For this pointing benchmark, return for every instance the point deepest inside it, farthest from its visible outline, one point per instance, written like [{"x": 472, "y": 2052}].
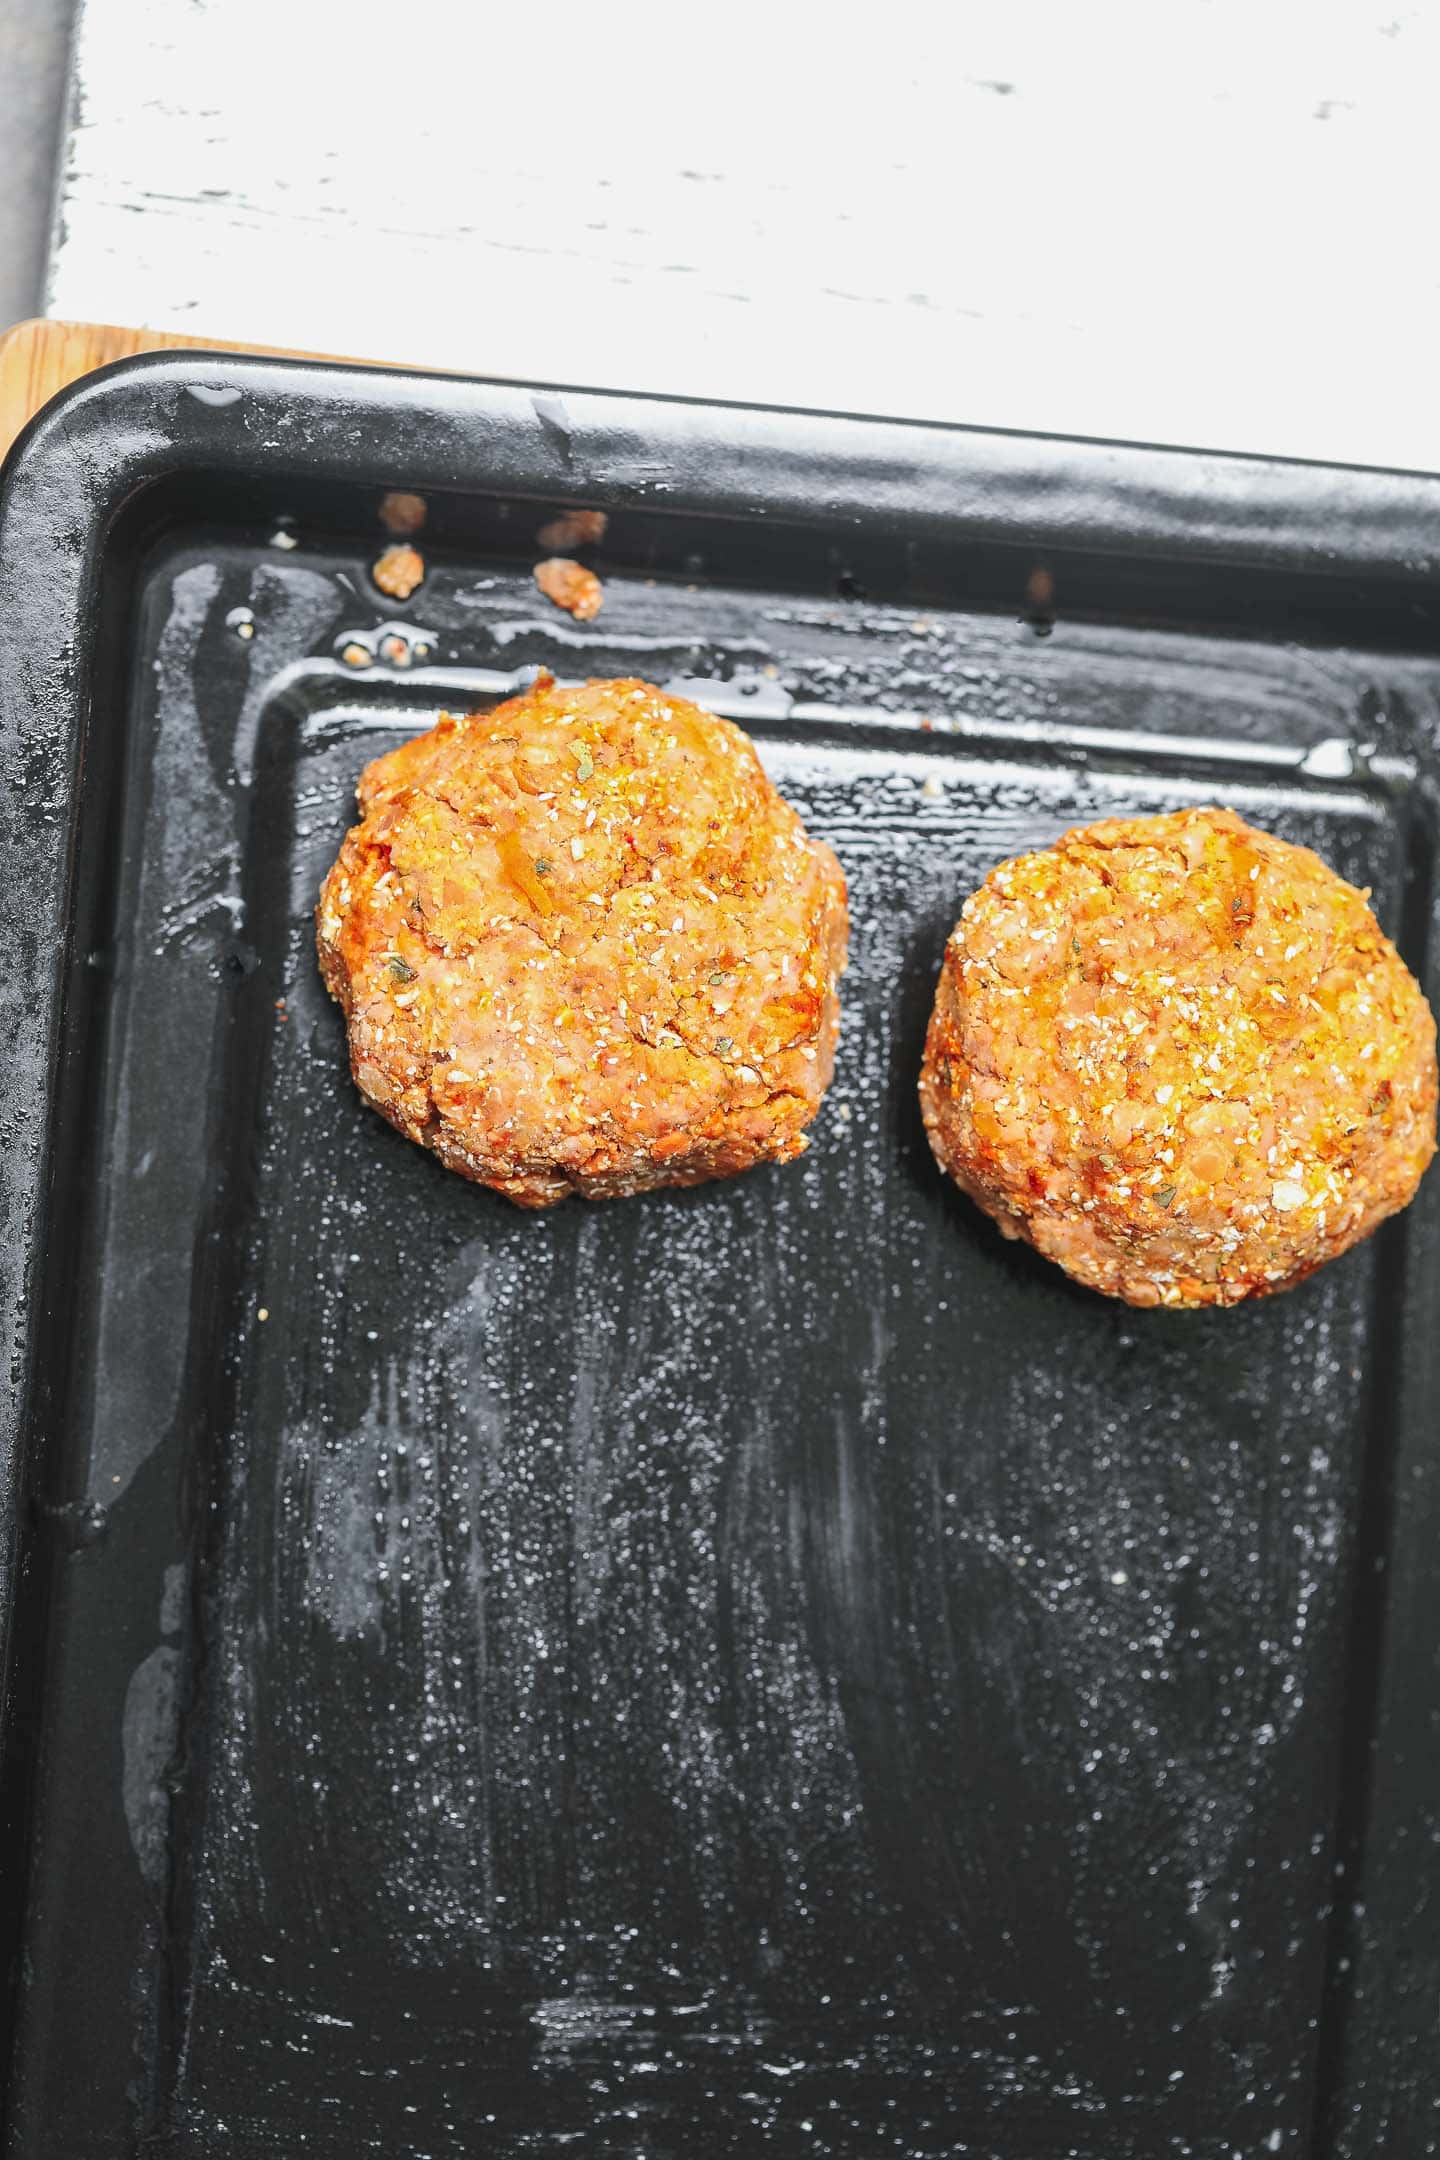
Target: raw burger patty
[
  {"x": 582, "y": 945},
  {"x": 1180, "y": 1058}
]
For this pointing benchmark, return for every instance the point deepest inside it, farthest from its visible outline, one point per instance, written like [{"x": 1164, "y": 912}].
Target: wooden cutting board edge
[{"x": 38, "y": 359}]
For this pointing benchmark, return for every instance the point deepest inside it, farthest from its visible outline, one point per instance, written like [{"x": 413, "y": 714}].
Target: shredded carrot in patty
[{"x": 521, "y": 871}]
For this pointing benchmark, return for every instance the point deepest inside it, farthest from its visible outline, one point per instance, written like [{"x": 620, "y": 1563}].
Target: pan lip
[{"x": 153, "y": 416}]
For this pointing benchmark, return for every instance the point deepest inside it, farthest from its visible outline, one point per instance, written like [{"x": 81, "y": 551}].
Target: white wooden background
[{"x": 1187, "y": 221}]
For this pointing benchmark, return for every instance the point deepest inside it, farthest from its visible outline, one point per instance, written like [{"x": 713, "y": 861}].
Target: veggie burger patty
[
  {"x": 1179, "y": 1057},
  {"x": 582, "y": 945}
]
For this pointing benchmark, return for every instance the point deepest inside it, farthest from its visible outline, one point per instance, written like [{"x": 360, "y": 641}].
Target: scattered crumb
[
  {"x": 571, "y": 586},
  {"x": 355, "y": 655},
  {"x": 1039, "y": 591},
  {"x": 264, "y": 1313},
  {"x": 398, "y": 570},
  {"x": 573, "y": 529},
  {"x": 395, "y": 649},
  {"x": 284, "y": 539},
  {"x": 402, "y": 514}
]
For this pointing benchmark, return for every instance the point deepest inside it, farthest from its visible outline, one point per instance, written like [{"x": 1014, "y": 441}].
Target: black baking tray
[{"x": 762, "y": 1670}]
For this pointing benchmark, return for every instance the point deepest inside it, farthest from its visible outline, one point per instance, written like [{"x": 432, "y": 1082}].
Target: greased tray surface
[{"x": 767, "y": 1669}]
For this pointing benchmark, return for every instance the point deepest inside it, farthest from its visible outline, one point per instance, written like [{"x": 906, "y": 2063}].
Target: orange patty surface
[
  {"x": 1180, "y": 1057},
  {"x": 582, "y": 945}
]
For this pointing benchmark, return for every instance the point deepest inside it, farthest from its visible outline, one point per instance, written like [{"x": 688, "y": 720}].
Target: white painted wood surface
[{"x": 1186, "y": 221}]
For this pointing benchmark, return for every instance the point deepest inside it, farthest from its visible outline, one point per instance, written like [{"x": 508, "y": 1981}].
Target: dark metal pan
[{"x": 767, "y": 1669}]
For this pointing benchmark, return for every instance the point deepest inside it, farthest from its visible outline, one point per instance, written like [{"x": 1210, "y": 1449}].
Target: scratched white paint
[{"x": 1201, "y": 221}]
